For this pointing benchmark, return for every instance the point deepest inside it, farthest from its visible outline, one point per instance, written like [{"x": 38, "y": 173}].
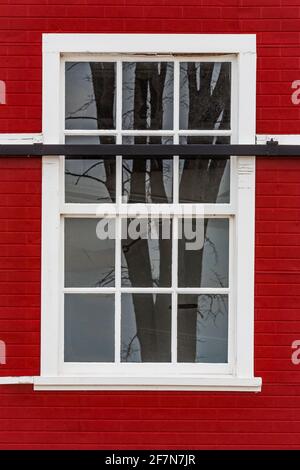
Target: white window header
[{"x": 159, "y": 43}]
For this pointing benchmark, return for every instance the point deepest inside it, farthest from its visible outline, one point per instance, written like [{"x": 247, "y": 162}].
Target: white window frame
[{"x": 239, "y": 373}]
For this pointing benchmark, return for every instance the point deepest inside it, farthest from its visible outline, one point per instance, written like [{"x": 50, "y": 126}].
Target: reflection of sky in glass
[
  {"x": 213, "y": 270},
  {"x": 212, "y": 329},
  {"x": 89, "y": 261},
  {"x": 216, "y": 254},
  {"x": 89, "y": 328},
  {"x": 86, "y": 180},
  {"x": 80, "y": 99},
  {"x": 81, "y": 110}
]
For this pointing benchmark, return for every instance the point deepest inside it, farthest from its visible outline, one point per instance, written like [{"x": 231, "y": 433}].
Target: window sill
[{"x": 204, "y": 383}]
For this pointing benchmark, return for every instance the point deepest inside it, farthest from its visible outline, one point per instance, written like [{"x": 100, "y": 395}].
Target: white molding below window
[
  {"x": 282, "y": 139},
  {"x": 17, "y": 139},
  {"x": 204, "y": 383}
]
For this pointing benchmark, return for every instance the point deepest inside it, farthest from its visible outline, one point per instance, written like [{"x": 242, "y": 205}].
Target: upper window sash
[
  {"x": 179, "y": 66},
  {"x": 170, "y": 77}
]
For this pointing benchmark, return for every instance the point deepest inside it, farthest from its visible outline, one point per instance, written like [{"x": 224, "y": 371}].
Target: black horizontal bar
[{"x": 159, "y": 151}]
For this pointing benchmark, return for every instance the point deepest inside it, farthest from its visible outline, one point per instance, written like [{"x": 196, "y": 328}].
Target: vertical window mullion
[
  {"x": 174, "y": 290},
  {"x": 118, "y": 256},
  {"x": 176, "y": 129},
  {"x": 175, "y": 218}
]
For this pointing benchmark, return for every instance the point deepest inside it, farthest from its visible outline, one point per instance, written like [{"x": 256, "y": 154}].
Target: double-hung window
[{"x": 148, "y": 260}]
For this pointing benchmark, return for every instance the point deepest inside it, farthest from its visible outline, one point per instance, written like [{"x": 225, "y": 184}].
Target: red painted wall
[{"x": 40, "y": 420}]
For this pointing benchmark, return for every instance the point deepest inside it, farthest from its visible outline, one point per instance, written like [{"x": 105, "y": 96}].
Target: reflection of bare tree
[
  {"x": 208, "y": 307},
  {"x": 88, "y": 102},
  {"x": 211, "y": 306},
  {"x": 147, "y": 176},
  {"x": 84, "y": 175},
  {"x": 109, "y": 278},
  {"x": 152, "y": 318},
  {"x": 209, "y": 107},
  {"x": 74, "y": 178},
  {"x": 206, "y": 108},
  {"x": 208, "y": 95}
]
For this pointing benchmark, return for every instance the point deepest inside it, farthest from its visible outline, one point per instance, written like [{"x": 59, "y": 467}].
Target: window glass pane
[
  {"x": 89, "y": 260},
  {"x": 146, "y": 328},
  {"x": 89, "y": 328},
  {"x": 204, "y": 180},
  {"x": 147, "y": 180},
  {"x": 202, "y": 328},
  {"x": 205, "y": 95},
  {"x": 90, "y": 95},
  {"x": 146, "y": 252},
  {"x": 147, "y": 95},
  {"x": 90, "y": 180},
  {"x": 203, "y": 252}
]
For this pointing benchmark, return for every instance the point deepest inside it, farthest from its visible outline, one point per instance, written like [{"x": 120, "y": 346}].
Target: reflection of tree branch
[
  {"x": 208, "y": 311},
  {"x": 107, "y": 279},
  {"x": 71, "y": 66},
  {"x": 218, "y": 277},
  {"x": 128, "y": 351},
  {"x": 213, "y": 247},
  {"x": 125, "y": 168},
  {"x": 81, "y": 117},
  {"x": 83, "y": 107},
  {"x": 79, "y": 175},
  {"x": 89, "y": 169}
]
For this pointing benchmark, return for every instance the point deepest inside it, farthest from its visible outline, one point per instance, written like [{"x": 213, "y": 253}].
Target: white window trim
[{"x": 54, "y": 47}]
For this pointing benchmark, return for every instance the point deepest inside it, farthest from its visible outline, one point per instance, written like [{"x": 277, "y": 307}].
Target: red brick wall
[{"x": 40, "y": 420}]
